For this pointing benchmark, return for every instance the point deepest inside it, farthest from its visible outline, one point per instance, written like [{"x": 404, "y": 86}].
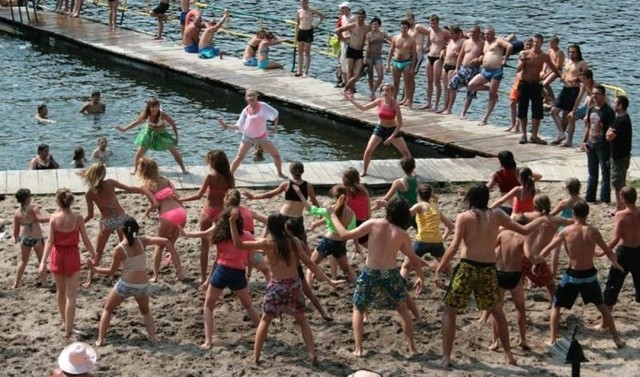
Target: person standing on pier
[
  {"x": 160, "y": 12},
  {"x": 402, "y": 51},
  {"x": 437, "y": 38},
  {"x": 530, "y": 89},
  {"x": 253, "y": 125},
  {"x": 355, "y": 47},
  {"x": 304, "y": 24},
  {"x": 155, "y": 135},
  {"x": 388, "y": 131},
  {"x": 619, "y": 135}
]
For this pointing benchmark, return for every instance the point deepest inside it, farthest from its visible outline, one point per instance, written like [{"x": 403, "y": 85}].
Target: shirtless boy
[
  {"x": 530, "y": 89},
  {"x": 626, "y": 240},
  {"x": 476, "y": 229},
  {"x": 160, "y": 12},
  {"x": 573, "y": 68},
  {"x": 380, "y": 280},
  {"x": 509, "y": 254},
  {"x": 95, "y": 106},
  {"x": 355, "y": 47},
  {"x": 437, "y": 45},
  {"x": 304, "y": 23},
  {"x": 450, "y": 58},
  {"x": 402, "y": 50},
  {"x": 496, "y": 52},
  {"x": 373, "y": 57},
  {"x": 206, "y": 48},
  {"x": 467, "y": 66},
  {"x": 580, "y": 240}
]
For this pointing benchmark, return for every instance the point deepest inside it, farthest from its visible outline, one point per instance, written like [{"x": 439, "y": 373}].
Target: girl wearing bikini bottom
[
  {"x": 216, "y": 184},
  {"x": 172, "y": 215},
  {"x": 27, "y": 232},
  {"x": 388, "y": 131},
  {"x": 284, "y": 291},
  {"x": 101, "y": 192},
  {"x": 133, "y": 282},
  {"x": 65, "y": 230}
]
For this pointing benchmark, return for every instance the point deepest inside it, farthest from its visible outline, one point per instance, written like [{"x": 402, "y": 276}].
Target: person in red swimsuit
[
  {"x": 65, "y": 230},
  {"x": 216, "y": 184},
  {"x": 388, "y": 131},
  {"x": 522, "y": 195},
  {"x": 172, "y": 215}
]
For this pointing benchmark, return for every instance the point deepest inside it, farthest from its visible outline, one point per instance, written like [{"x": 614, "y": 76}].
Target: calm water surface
[{"x": 605, "y": 31}]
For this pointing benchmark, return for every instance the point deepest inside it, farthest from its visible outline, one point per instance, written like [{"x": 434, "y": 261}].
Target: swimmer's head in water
[
  {"x": 95, "y": 94},
  {"x": 43, "y": 110},
  {"x": 43, "y": 150},
  {"x": 94, "y": 175}
]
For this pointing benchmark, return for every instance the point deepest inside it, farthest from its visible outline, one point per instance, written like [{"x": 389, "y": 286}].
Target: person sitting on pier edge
[
  {"x": 205, "y": 46},
  {"x": 249, "y": 57},
  {"x": 191, "y": 36}
]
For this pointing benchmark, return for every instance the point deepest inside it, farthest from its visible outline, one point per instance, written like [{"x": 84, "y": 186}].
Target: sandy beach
[{"x": 31, "y": 339}]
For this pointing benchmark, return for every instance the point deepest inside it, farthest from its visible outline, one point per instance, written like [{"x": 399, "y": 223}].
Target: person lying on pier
[
  {"x": 160, "y": 12},
  {"x": 249, "y": 57},
  {"x": 205, "y": 46},
  {"x": 42, "y": 116},
  {"x": 263, "y": 52}
]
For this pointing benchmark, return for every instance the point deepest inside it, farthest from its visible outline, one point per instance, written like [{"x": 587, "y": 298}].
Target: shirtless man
[
  {"x": 380, "y": 280},
  {"x": 437, "y": 44},
  {"x": 205, "y": 46},
  {"x": 402, "y": 50},
  {"x": 304, "y": 23},
  {"x": 496, "y": 52},
  {"x": 573, "y": 68},
  {"x": 530, "y": 64},
  {"x": 626, "y": 240},
  {"x": 548, "y": 76},
  {"x": 580, "y": 240},
  {"x": 467, "y": 66},
  {"x": 451, "y": 54},
  {"x": 191, "y": 36},
  {"x": 345, "y": 18},
  {"x": 95, "y": 106},
  {"x": 477, "y": 229},
  {"x": 418, "y": 32},
  {"x": 184, "y": 10},
  {"x": 543, "y": 275},
  {"x": 355, "y": 47}
]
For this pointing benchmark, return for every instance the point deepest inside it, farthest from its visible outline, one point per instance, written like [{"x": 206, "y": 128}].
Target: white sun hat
[{"x": 77, "y": 358}]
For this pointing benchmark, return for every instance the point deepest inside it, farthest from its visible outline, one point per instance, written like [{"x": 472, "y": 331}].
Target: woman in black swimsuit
[
  {"x": 43, "y": 160},
  {"x": 249, "y": 56}
]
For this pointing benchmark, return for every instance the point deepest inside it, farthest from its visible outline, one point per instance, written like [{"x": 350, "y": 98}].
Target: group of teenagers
[{"x": 500, "y": 246}]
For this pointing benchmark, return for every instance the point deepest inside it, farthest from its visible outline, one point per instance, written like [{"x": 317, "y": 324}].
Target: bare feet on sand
[{"x": 205, "y": 346}]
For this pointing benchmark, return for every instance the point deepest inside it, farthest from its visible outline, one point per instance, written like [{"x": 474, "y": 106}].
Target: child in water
[
  {"x": 101, "y": 153},
  {"x": 78, "y": 158}
]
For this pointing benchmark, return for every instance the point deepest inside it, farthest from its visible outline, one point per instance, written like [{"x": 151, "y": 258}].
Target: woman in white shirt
[{"x": 253, "y": 125}]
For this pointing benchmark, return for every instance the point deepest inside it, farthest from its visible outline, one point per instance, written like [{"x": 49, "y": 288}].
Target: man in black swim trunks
[
  {"x": 580, "y": 240},
  {"x": 355, "y": 47},
  {"x": 304, "y": 24}
]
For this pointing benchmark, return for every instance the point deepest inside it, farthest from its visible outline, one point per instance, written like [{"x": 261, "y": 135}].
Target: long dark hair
[
  {"x": 526, "y": 180},
  {"x": 222, "y": 231},
  {"x": 284, "y": 243},
  {"x": 218, "y": 160},
  {"x": 477, "y": 198},
  {"x": 130, "y": 228}
]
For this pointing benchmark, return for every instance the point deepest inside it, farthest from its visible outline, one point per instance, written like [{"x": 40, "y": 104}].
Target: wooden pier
[{"x": 168, "y": 60}]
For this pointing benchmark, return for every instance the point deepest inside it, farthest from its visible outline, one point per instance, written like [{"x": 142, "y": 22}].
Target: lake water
[
  {"x": 605, "y": 31},
  {"x": 33, "y": 74}
]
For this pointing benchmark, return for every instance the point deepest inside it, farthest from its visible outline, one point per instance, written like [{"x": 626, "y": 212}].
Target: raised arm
[
  {"x": 269, "y": 194},
  {"x": 200, "y": 193},
  {"x": 227, "y": 126},
  {"x": 131, "y": 125}
]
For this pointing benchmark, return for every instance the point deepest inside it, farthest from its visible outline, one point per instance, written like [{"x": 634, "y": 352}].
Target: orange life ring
[{"x": 193, "y": 13}]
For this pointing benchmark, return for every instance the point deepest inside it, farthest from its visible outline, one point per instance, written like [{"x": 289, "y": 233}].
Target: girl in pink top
[
  {"x": 253, "y": 125},
  {"x": 216, "y": 184},
  {"x": 229, "y": 270}
]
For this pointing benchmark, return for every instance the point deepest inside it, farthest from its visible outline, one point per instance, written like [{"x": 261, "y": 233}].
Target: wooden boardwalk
[
  {"x": 168, "y": 60},
  {"x": 321, "y": 174}
]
